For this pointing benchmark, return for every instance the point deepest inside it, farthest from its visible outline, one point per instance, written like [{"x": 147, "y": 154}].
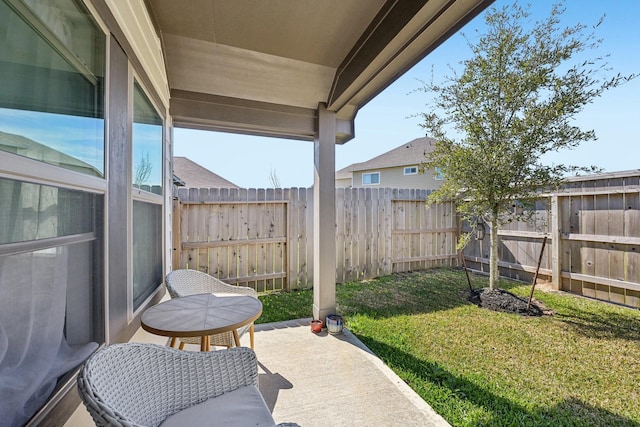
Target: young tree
[
  {"x": 143, "y": 170},
  {"x": 514, "y": 102},
  {"x": 273, "y": 179}
]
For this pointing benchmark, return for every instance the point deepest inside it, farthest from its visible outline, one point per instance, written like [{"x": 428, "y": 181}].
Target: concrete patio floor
[{"x": 320, "y": 380}]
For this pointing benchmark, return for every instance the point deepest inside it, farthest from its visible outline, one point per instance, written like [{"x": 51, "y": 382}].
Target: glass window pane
[
  {"x": 52, "y": 91},
  {"x": 410, "y": 170},
  {"x": 371, "y": 178},
  {"x": 51, "y": 291},
  {"x": 147, "y": 250},
  {"x": 147, "y": 144},
  {"x": 47, "y": 327},
  {"x": 32, "y": 211}
]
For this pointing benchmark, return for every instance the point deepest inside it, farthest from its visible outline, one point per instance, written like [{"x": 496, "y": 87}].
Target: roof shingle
[{"x": 195, "y": 176}]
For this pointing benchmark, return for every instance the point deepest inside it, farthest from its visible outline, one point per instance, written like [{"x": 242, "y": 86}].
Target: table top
[{"x": 202, "y": 314}]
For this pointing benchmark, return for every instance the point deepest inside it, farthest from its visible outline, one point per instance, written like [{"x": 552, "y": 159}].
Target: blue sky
[{"x": 387, "y": 121}]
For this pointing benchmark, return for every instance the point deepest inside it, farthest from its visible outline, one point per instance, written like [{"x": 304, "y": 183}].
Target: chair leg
[
  {"x": 181, "y": 345},
  {"x": 251, "y": 330},
  {"x": 205, "y": 343},
  {"x": 236, "y": 337},
  {"x": 173, "y": 342}
]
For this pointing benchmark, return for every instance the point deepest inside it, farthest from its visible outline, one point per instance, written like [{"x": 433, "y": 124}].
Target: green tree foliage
[{"x": 514, "y": 102}]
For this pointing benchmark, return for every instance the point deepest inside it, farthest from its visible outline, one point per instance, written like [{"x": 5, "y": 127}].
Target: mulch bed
[{"x": 505, "y": 301}]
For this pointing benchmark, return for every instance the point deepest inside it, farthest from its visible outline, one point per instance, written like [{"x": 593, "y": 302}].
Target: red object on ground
[{"x": 316, "y": 326}]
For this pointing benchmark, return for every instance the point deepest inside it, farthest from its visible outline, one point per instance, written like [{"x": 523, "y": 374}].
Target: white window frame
[
  {"x": 437, "y": 175},
  {"x": 411, "y": 170},
  {"x": 136, "y": 194},
  {"x": 371, "y": 174}
]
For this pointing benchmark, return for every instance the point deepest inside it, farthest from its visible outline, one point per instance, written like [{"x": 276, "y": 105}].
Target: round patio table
[{"x": 202, "y": 315}]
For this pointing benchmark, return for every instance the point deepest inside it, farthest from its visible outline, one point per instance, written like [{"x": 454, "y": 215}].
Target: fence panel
[
  {"x": 235, "y": 235},
  {"x": 604, "y": 246},
  {"x": 263, "y": 238},
  {"x": 423, "y": 236},
  {"x": 598, "y": 241}
]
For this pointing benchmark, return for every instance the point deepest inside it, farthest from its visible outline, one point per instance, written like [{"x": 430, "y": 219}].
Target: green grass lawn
[{"x": 476, "y": 367}]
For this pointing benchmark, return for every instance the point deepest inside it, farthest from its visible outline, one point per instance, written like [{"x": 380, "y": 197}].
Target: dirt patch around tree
[{"x": 505, "y": 301}]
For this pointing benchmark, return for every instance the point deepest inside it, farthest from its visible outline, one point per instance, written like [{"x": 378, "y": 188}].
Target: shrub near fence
[{"x": 263, "y": 238}]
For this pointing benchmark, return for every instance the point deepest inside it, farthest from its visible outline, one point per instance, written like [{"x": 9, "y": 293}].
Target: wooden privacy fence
[
  {"x": 263, "y": 238},
  {"x": 594, "y": 227}
]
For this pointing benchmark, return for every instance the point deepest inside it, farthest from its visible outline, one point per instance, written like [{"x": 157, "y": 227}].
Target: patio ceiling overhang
[{"x": 264, "y": 67}]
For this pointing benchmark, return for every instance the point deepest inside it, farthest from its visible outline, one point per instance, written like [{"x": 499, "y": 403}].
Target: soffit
[
  {"x": 318, "y": 32},
  {"x": 262, "y": 67}
]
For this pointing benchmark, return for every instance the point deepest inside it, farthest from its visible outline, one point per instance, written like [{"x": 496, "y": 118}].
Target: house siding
[
  {"x": 395, "y": 178},
  {"x": 344, "y": 182},
  {"x": 133, "y": 19}
]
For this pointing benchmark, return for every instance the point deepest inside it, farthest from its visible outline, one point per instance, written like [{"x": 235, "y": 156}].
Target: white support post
[{"x": 324, "y": 216}]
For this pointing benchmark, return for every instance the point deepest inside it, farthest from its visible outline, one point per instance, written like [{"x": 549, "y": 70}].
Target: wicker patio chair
[
  {"x": 184, "y": 282},
  {"x": 136, "y": 384}
]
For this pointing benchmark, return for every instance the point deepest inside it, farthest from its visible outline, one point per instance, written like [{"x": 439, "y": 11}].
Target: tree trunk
[{"x": 493, "y": 255}]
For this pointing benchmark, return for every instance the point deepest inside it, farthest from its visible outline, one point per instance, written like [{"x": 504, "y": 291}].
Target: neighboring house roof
[
  {"x": 346, "y": 173},
  {"x": 410, "y": 153},
  {"x": 195, "y": 176},
  {"x": 29, "y": 148}
]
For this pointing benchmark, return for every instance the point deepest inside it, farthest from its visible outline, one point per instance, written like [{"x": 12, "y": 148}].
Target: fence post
[
  {"x": 176, "y": 242},
  {"x": 388, "y": 226},
  {"x": 556, "y": 250}
]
